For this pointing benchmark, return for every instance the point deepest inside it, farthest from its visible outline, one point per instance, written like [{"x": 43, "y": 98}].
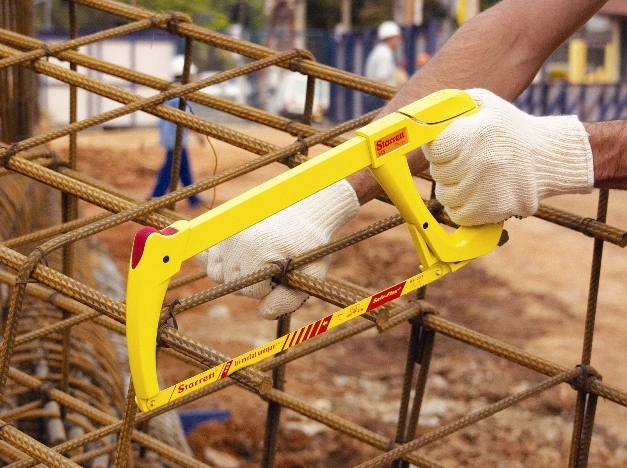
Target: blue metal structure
[
  {"x": 351, "y": 49},
  {"x": 591, "y": 102},
  {"x": 594, "y": 102}
]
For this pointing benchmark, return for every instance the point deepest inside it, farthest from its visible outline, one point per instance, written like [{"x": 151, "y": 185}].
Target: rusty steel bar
[
  {"x": 513, "y": 354},
  {"x": 152, "y": 105},
  {"x": 421, "y": 355},
  {"x": 240, "y": 110},
  {"x": 476, "y": 416},
  {"x": 254, "y": 51},
  {"x": 273, "y": 414},
  {"x": 54, "y": 49},
  {"x": 344, "y": 426},
  {"x": 408, "y": 377},
  {"x": 33, "y": 447},
  {"x": 588, "y": 226},
  {"x": 112, "y": 425},
  {"x": 595, "y": 278}
]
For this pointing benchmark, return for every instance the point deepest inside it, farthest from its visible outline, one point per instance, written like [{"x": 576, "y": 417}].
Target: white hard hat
[
  {"x": 176, "y": 66},
  {"x": 388, "y": 29}
]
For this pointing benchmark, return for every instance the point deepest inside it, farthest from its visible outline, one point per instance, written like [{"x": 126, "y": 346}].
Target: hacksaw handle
[{"x": 389, "y": 141}]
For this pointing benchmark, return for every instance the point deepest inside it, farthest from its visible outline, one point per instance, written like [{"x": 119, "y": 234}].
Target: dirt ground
[{"x": 531, "y": 293}]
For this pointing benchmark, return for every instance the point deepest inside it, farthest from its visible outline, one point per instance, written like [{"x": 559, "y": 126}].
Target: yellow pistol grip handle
[
  {"x": 395, "y": 135},
  {"x": 156, "y": 257}
]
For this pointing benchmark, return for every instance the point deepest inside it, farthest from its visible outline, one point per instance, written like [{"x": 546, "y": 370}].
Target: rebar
[{"x": 60, "y": 319}]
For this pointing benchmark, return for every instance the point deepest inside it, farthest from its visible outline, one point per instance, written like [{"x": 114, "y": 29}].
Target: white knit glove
[
  {"x": 501, "y": 161},
  {"x": 301, "y": 227}
]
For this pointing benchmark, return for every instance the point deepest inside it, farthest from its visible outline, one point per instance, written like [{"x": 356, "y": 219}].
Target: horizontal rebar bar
[
  {"x": 248, "y": 49},
  {"x": 103, "y": 418},
  {"x": 133, "y": 76},
  {"x": 473, "y": 418},
  {"x": 588, "y": 226},
  {"x": 53, "y": 49},
  {"x": 513, "y": 354}
]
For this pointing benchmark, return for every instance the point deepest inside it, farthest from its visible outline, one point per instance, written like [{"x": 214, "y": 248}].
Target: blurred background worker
[
  {"x": 167, "y": 139},
  {"x": 381, "y": 64}
]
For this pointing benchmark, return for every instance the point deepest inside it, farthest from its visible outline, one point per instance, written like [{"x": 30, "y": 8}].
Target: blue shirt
[{"x": 167, "y": 129}]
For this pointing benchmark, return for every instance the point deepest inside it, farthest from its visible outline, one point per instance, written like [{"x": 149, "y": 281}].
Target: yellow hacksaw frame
[{"x": 381, "y": 146}]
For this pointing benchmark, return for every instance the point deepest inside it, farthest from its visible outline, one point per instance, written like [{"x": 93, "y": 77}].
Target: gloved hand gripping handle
[{"x": 382, "y": 146}]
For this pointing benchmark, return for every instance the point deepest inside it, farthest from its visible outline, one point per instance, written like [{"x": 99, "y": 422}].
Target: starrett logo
[
  {"x": 386, "y": 296},
  {"x": 189, "y": 385},
  {"x": 390, "y": 142}
]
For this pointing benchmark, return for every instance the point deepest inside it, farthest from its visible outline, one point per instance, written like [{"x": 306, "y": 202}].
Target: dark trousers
[
  {"x": 163, "y": 179},
  {"x": 372, "y": 102}
]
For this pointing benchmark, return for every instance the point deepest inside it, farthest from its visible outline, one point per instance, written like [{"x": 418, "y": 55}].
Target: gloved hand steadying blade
[
  {"x": 301, "y": 227},
  {"x": 500, "y": 162}
]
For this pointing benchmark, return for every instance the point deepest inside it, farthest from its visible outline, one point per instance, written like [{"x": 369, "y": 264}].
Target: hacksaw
[{"x": 382, "y": 147}]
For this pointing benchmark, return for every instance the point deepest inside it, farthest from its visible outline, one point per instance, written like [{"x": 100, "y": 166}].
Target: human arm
[
  {"x": 200, "y": 138},
  {"x": 608, "y": 141},
  {"x": 500, "y": 49}
]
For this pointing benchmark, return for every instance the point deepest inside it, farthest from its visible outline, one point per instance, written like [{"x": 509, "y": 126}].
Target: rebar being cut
[{"x": 66, "y": 395}]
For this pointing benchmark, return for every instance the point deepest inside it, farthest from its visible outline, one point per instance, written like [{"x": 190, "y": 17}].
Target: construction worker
[
  {"x": 381, "y": 62},
  {"x": 167, "y": 139},
  {"x": 497, "y": 163}
]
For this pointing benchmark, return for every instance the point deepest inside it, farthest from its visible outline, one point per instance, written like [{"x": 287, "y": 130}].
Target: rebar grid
[{"x": 64, "y": 303}]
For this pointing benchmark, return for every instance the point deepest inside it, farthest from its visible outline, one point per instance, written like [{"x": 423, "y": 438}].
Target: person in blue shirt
[{"x": 167, "y": 139}]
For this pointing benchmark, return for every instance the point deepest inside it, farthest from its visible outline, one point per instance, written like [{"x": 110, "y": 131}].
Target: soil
[{"x": 531, "y": 293}]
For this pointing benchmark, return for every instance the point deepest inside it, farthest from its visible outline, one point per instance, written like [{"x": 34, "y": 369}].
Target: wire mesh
[{"x": 62, "y": 364}]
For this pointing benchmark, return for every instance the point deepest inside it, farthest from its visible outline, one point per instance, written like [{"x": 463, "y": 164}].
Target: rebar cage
[{"x": 62, "y": 359}]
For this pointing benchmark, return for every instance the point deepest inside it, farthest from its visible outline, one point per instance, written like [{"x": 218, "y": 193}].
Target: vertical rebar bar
[
  {"x": 422, "y": 356},
  {"x": 179, "y": 146},
  {"x": 595, "y": 273},
  {"x": 273, "y": 417},
  {"x": 124, "y": 444},
  {"x": 408, "y": 378},
  {"x": 584, "y": 413},
  {"x": 69, "y": 208},
  {"x": 586, "y": 431}
]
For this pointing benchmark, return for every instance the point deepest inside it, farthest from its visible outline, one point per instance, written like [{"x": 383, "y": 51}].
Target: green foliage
[
  {"x": 56, "y": 17},
  {"x": 371, "y": 13},
  {"x": 323, "y": 14},
  {"x": 212, "y": 14},
  {"x": 208, "y": 11},
  {"x": 485, "y": 4},
  {"x": 433, "y": 9}
]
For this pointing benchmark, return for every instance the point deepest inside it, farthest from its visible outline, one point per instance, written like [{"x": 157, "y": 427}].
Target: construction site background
[{"x": 515, "y": 360}]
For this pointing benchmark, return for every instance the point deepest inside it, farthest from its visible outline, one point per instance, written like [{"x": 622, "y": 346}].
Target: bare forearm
[
  {"x": 501, "y": 50},
  {"x": 608, "y": 141}
]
